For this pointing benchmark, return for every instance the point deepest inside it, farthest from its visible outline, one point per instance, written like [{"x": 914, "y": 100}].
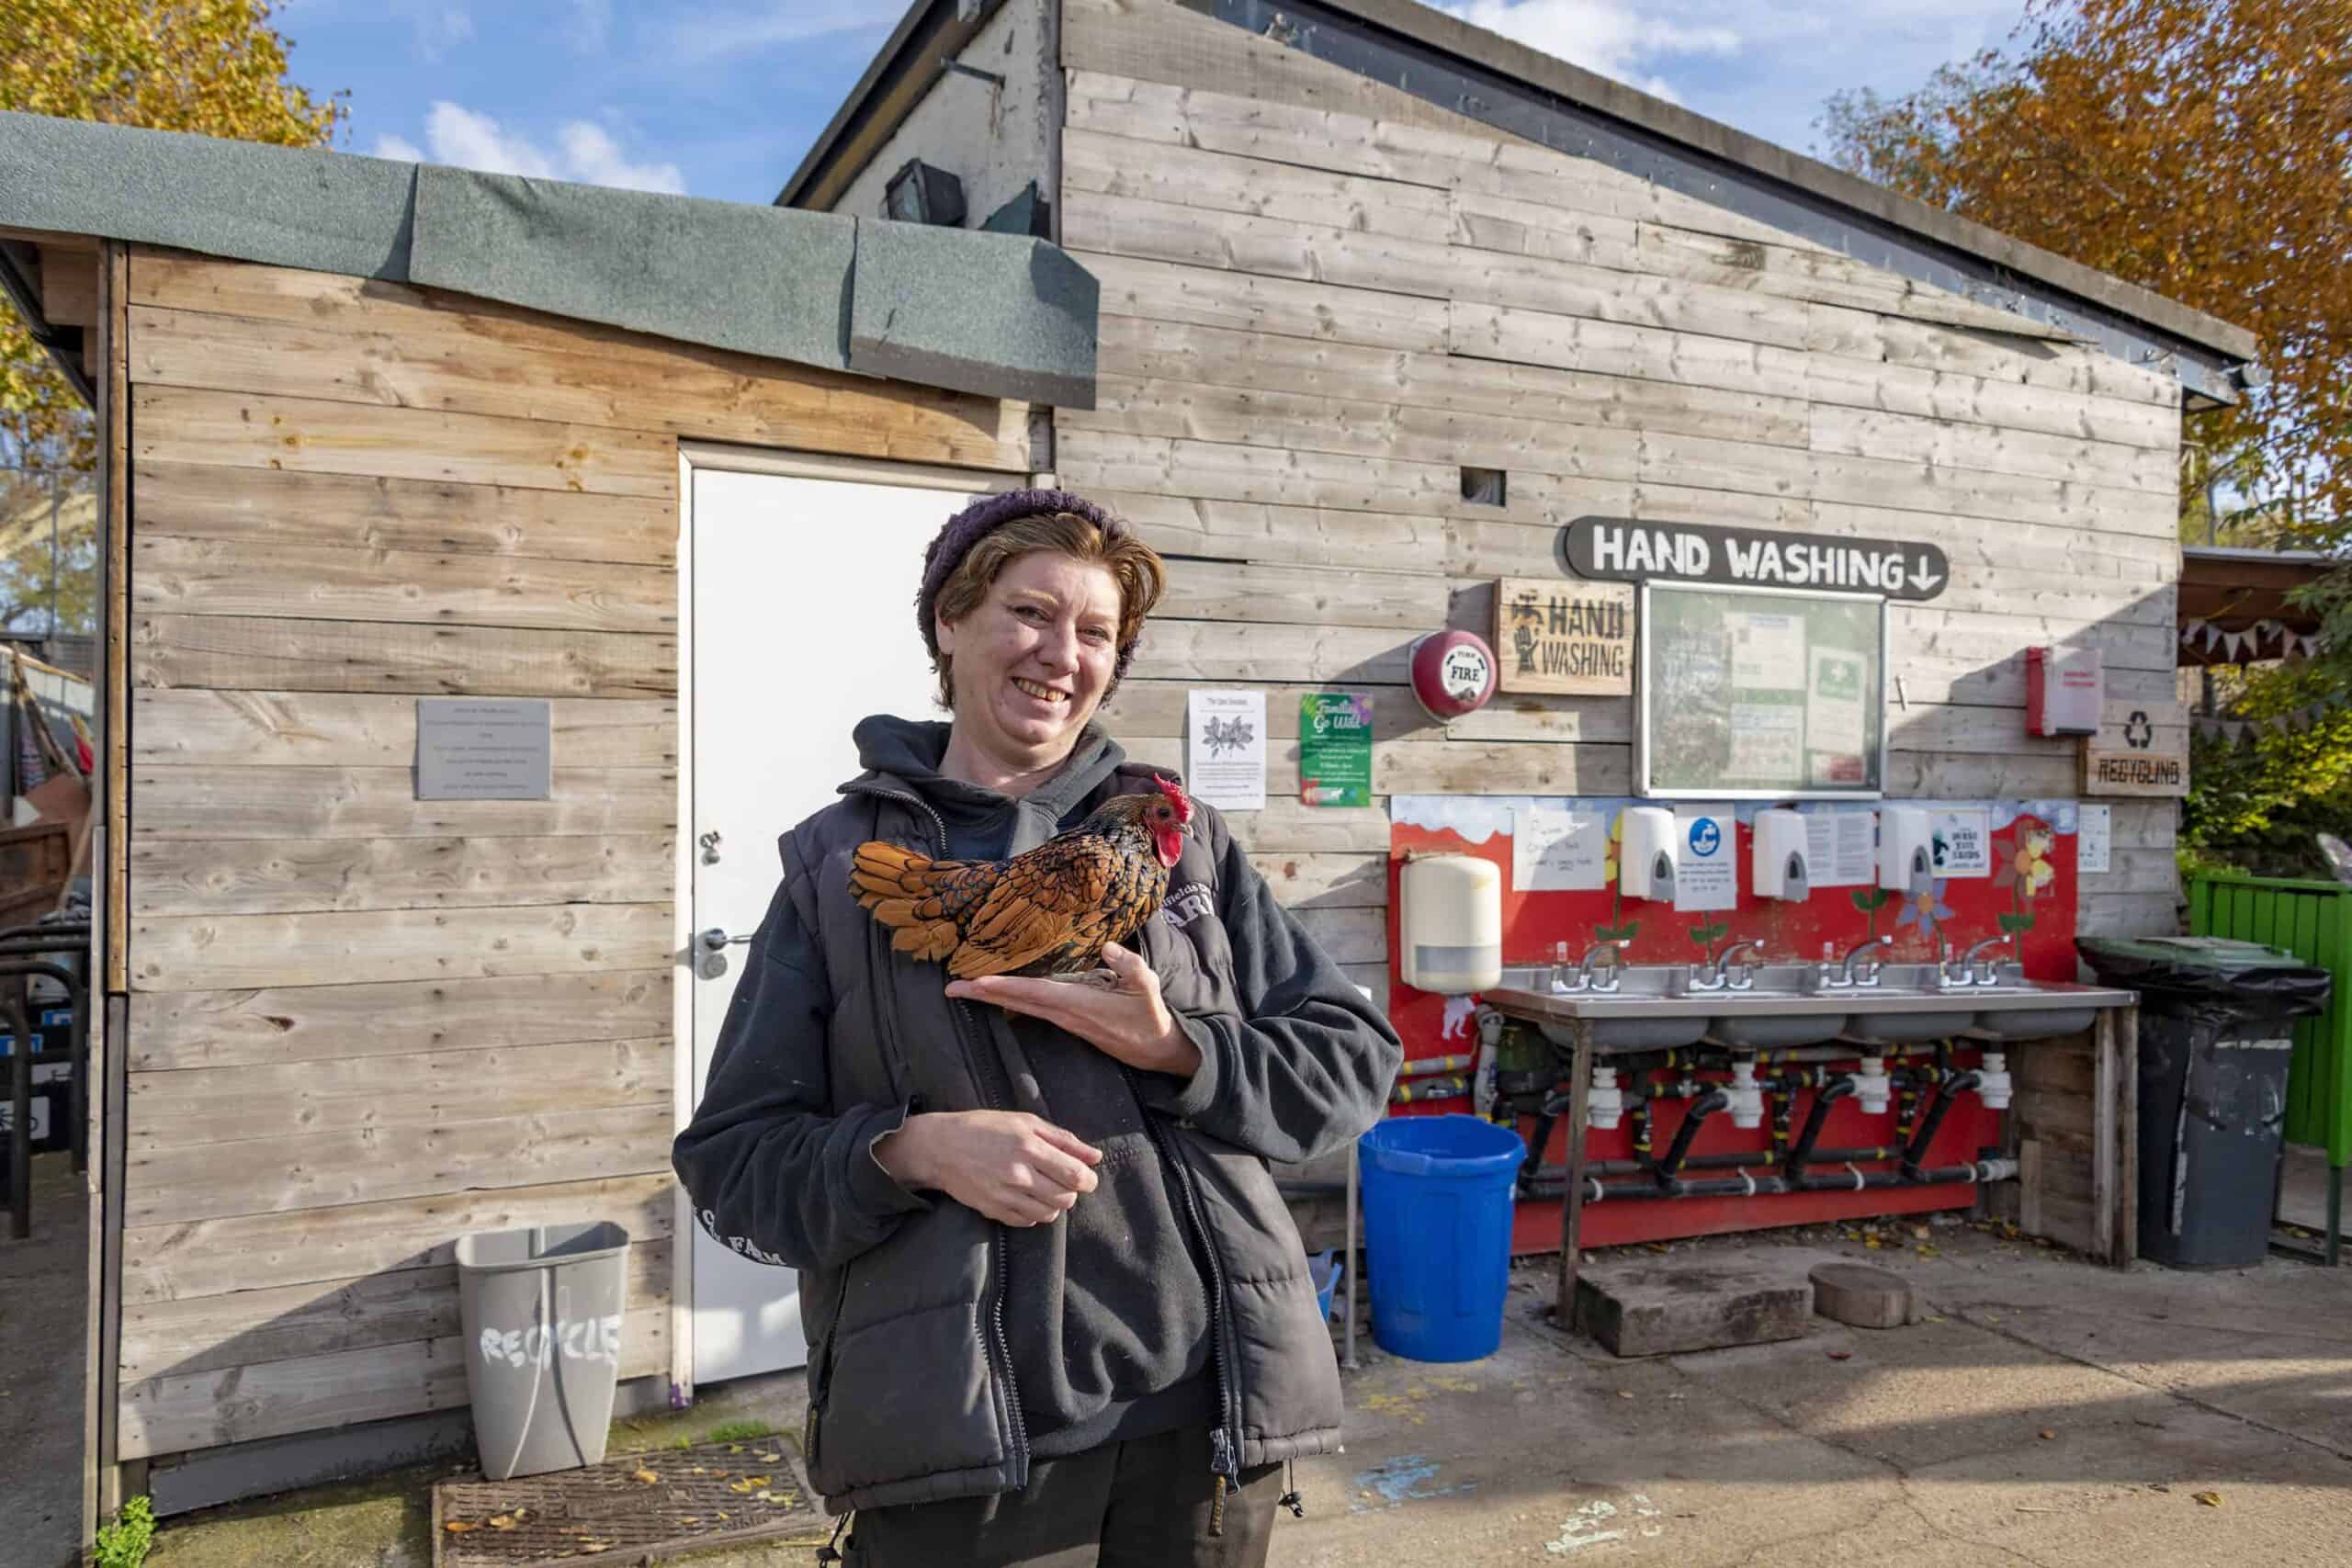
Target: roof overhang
[
  {"x": 999, "y": 315},
  {"x": 2235, "y": 590},
  {"x": 912, "y": 57}
]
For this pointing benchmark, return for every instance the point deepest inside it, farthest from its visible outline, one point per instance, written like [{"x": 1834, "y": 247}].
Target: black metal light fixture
[{"x": 919, "y": 193}]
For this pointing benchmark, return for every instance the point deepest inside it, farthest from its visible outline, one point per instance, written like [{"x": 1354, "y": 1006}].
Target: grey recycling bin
[
  {"x": 540, "y": 1309},
  {"x": 2216, "y": 1034}
]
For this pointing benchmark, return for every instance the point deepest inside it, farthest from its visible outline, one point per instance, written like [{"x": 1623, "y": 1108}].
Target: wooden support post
[
  {"x": 2106, "y": 1237},
  {"x": 2127, "y": 1131},
  {"x": 1564, "y": 1305}
]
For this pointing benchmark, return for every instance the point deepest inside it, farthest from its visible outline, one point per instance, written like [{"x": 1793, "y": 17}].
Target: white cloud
[
  {"x": 472, "y": 141},
  {"x": 584, "y": 151},
  {"x": 595, "y": 157},
  {"x": 714, "y": 35},
  {"x": 1614, "y": 39}
]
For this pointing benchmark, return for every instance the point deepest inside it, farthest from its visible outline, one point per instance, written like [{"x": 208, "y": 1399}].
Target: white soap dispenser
[
  {"x": 1906, "y": 855},
  {"x": 1645, "y": 858},
  {"x": 1784, "y": 863}
]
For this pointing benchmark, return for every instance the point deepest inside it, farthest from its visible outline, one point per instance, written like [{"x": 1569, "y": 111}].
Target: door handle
[{"x": 716, "y": 939}]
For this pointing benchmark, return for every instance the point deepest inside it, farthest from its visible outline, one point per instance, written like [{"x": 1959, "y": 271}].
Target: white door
[{"x": 802, "y": 624}]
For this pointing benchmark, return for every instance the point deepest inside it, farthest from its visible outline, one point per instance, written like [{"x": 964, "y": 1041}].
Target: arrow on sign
[{"x": 1922, "y": 579}]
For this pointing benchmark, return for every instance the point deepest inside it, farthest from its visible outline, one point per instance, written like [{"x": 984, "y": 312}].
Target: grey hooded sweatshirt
[{"x": 946, "y": 1350}]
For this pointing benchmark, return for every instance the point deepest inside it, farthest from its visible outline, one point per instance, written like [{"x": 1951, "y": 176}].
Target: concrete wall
[{"x": 995, "y": 141}]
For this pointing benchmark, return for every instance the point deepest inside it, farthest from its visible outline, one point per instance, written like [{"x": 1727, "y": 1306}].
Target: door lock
[
  {"x": 709, "y": 843},
  {"x": 711, "y": 963}
]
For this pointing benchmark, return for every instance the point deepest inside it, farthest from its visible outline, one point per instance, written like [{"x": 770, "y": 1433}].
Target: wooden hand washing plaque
[{"x": 1564, "y": 637}]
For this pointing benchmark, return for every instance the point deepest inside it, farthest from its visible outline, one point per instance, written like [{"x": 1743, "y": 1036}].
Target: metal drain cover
[{"x": 632, "y": 1508}]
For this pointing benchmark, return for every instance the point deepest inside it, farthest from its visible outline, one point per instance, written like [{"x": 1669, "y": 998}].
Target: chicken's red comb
[{"x": 1175, "y": 794}]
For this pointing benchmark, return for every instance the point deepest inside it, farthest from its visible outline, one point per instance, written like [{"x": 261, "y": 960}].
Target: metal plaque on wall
[{"x": 484, "y": 748}]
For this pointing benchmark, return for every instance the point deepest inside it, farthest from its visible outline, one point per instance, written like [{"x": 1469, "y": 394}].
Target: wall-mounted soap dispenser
[
  {"x": 1784, "y": 863},
  {"x": 1906, "y": 855},
  {"x": 1645, "y": 858}
]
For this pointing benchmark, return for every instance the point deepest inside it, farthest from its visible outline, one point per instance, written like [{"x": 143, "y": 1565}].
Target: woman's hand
[
  {"x": 1127, "y": 1021},
  {"x": 1008, "y": 1165}
]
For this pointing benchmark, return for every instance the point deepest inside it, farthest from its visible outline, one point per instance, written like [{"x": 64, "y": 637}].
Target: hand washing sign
[
  {"x": 1624, "y": 550},
  {"x": 1706, "y": 874}
]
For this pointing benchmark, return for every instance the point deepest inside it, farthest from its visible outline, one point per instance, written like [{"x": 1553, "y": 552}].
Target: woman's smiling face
[{"x": 1033, "y": 660}]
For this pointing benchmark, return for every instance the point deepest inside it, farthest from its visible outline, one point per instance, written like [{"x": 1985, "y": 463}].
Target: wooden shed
[
  {"x": 1400, "y": 316},
  {"x": 1351, "y": 251},
  {"x": 377, "y": 435}
]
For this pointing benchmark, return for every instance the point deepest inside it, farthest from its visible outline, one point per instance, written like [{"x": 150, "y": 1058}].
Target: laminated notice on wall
[
  {"x": 1225, "y": 749},
  {"x": 1962, "y": 842},
  {"x": 1706, "y": 871},
  {"x": 1841, "y": 848},
  {"x": 1335, "y": 749},
  {"x": 1558, "y": 851},
  {"x": 2094, "y": 833}
]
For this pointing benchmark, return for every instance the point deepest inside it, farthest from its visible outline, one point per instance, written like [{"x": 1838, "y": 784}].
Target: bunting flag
[{"x": 2189, "y": 630}]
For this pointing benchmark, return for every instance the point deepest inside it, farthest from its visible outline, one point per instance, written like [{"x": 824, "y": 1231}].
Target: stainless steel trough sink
[
  {"x": 1654, "y": 1007},
  {"x": 1646, "y": 1026},
  {"x": 1760, "y": 1014}
]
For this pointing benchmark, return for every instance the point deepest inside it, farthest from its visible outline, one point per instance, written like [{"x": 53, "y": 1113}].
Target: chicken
[{"x": 1046, "y": 912}]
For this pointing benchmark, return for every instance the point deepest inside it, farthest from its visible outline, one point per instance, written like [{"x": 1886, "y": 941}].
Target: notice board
[{"x": 1749, "y": 694}]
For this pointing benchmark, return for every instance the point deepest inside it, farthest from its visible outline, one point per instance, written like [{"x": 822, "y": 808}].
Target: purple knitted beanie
[{"x": 984, "y": 517}]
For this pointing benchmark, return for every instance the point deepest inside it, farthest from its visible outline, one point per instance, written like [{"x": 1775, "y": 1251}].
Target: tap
[
  {"x": 1714, "y": 976},
  {"x": 1587, "y": 979},
  {"x": 1987, "y": 973},
  {"x": 1841, "y": 975},
  {"x": 1971, "y": 972}
]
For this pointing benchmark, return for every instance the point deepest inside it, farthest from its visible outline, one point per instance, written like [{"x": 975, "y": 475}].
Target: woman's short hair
[{"x": 1135, "y": 566}]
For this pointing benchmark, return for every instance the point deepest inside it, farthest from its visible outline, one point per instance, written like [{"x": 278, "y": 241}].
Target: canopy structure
[{"x": 2235, "y": 604}]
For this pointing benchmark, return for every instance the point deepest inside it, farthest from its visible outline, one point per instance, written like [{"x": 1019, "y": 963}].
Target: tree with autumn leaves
[
  {"x": 2200, "y": 148},
  {"x": 2204, "y": 149},
  {"x": 214, "y": 67}
]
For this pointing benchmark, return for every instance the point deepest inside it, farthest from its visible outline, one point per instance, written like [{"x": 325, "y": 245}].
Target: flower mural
[
  {"x": 2028, "y": 868},
  {"x": 1619, "y": 928},
  {"x": 2027, "y": 873},
  {"x": 1926, "y": 910}
]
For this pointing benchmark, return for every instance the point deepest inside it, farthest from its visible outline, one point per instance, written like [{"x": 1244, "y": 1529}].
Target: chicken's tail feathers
[{"x": 895, "y": 885}]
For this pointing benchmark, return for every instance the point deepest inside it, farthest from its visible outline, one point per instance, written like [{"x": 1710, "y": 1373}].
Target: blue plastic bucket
[{"x": 1436, "y": 1205}]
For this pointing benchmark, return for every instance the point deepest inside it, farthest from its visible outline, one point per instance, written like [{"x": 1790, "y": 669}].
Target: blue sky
[{"x": 722, "y": 99}]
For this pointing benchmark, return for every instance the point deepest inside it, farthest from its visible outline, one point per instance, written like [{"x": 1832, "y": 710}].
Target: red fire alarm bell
[
  {"x": 1454, "y": 672},
  {"x": 2064, "y": 691}
]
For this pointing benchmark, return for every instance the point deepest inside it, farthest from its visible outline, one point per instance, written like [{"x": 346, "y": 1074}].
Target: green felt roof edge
[{"x": 994, "y": 314}]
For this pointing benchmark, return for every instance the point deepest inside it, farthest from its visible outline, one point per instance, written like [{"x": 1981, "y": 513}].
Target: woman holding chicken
[{"x": 1015, "y": 1042}]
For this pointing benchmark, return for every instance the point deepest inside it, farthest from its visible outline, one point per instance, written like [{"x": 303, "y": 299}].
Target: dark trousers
[{"x": 1145, "y": 1504}]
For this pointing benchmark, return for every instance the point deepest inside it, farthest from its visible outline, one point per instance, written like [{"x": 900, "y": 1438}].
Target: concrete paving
[
  {"x": 44, "y": 1280},
  {"x": 2043, "y": 1411}
]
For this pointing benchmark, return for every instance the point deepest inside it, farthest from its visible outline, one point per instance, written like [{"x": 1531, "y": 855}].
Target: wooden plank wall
[
  {"x": 361, "y": 1025},
  {"x": 1321, "y": 297}
]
